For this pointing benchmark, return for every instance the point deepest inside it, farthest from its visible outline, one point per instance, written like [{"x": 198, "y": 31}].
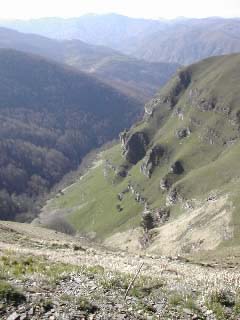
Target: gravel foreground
[{"x": 61, "y": 279}]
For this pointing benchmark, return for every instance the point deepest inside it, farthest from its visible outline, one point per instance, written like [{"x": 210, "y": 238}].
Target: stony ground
[{"x": 46, "y": 275}]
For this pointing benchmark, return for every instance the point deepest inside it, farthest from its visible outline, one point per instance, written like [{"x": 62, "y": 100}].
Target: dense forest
[{"x": 50, "y": 117}]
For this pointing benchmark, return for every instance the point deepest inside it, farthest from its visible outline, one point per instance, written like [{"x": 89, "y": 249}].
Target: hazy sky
[{"x": 12, "y": 9}]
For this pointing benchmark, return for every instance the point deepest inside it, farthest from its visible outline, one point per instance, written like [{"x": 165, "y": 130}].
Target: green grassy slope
[
  {"x": 204, "y": 99},
  {"x": 92, "y": 201}
]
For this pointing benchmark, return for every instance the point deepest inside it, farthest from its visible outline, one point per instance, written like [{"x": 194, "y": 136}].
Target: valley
[
  {"x": 143, "y": 191},
  {"x": 119, "y": 166},
  {"x": 45, "y": 116}
]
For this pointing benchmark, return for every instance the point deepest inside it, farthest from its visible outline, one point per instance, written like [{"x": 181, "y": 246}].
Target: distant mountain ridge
[
  {"x": 107, "y": 29},
  {"x": 191, "y": 40},
  {"x": 132, "y": 76},
  {"x": 181, "y": 41}
]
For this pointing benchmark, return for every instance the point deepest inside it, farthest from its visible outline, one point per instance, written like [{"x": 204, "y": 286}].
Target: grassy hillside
[
  {"x": 50, "y": 117},
  {"x": 180, "y": 163},
  {"x": 132, "y": 76}
]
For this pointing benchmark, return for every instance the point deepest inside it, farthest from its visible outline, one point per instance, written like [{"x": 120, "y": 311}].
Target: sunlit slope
[{"x": 180, "y": 161}]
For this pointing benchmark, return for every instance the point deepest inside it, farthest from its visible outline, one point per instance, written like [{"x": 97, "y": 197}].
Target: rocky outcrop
[
  {"x": 148, "y": 220},
  {"x": 121, "y": 171},
  {"x": 137, "y": 195},
  {"x": 179, "y": 113},
  {"x": 152, "y": 218},
  {"x": 151, "y": 160},
  {"x": 177, "y": 168},
  {"x": 182, "y": 133},
  {"x": 207, "y": 104},
  {"x": 123, "y": 136},
  {"x": 134, "y": 146},
  {"x": 199, "y": 99},
  {"x": 172, "y": 197},
  {"x": 164, "y": 184},
  {"x": 162, "y": 215},
  {"x": 171, "y": 177},
  {"x": 150, "y": 107},
  {"x": 181, "y": 82}
]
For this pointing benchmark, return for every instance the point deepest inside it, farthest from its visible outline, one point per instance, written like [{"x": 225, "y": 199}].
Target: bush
[
  {"x": 9, "y": 294},
  {"x": 60, "y": 224}
]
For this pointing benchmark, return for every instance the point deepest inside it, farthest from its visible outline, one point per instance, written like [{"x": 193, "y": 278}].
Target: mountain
[
  {"x": 172, "y": 184},
  {"x": 50, "y": 117},
  {"x": 110, "y": 30},
  {"x": 190, "y": 40},
  {"x": 181, "y": 41},
  {"x": 132, "y": 76}
]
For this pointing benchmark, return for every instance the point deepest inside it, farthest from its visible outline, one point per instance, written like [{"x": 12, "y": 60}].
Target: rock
[
  {"x": 123, "y": 136},
  {"x": 134, "y": 146},
  {"x": 149, "y": 109},
  {"x": 207, "y": 105},
  {"x": 78, "y": 248},
  {"x": 187, "y": 311},
  {"x": 21, "y": 309},
  {"x": 164, "y": 185},
  {"x": 177, "y": 168},
  {"x": 162, "y": 215},
  {"x": 182, "y": 133},
  {"x": 181, "y": 82},
  {"x": 122, "y": 173},
  {"x": 172, "y": 197},
  {"x": 14, "y": 316},
  {"x": 151, "y": 160},
  {"x": 119, "y": 208},
  {"x": 120, "y": 196},
  {"x": 179, "y": 113},
  {"x": 31, "y": 312},
  {"x": 209, "y": 312},
  {"x": 138, "y": 197},
  {"x": 148, "y": 219},
  {"x": 159, "y": 306}
]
